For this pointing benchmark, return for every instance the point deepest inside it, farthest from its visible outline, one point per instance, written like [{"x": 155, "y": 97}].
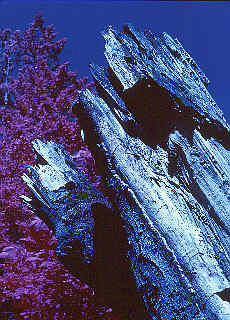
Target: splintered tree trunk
[
  {"x": 165, "y": 146},
  {"x": 162, "y": 146},
  {"x": 90, "y": 237}
]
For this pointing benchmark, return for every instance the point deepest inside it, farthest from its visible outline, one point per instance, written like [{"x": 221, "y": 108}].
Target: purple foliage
[{"x": 36, "y": 92}]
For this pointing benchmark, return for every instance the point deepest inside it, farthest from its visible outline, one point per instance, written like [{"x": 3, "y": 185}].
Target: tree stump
[{"x": 162, "y": 144}]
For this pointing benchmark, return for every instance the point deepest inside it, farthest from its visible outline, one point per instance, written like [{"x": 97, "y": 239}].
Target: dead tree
[
  {"x": 90, "y": 235},
  {"x": 162, "y": 146}
]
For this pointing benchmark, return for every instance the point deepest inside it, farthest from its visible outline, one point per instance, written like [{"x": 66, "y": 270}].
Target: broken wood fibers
[{"x": 162, "y": 146}]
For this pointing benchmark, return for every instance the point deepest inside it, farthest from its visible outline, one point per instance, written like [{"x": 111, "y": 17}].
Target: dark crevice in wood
[
  {"x": 115, "y": 81},
  {"x": 224, "y": 294}
]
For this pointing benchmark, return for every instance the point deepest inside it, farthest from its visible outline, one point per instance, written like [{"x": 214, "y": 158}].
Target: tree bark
[{"x": 162, "y": 146}]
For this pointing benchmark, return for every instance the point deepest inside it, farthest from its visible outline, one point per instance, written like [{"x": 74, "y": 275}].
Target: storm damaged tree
[{"x": 161, "y": 144}]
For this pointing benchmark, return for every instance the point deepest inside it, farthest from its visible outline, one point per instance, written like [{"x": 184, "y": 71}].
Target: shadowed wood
[
  {"x": 166, "y": 148},
  {"x": 162, "y": 145}
]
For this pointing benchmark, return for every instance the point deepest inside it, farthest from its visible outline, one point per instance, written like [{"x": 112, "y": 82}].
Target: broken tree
[
  {"x": 162, "y": 146},
  {"x": 90, "y": 237}
]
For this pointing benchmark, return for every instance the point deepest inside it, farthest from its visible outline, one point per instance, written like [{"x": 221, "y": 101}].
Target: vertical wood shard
[
  {"x": 162, "y": 146},
  {"x": 167, "y": 160}
]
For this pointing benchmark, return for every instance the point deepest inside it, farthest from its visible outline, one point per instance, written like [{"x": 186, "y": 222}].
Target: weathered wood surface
[
  {"x": 90, "y": 237},
  {"x": 165, "y": 147},
  {"x": 162, "y": 146}
]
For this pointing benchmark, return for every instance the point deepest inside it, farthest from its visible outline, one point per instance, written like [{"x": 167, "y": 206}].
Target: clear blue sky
[{"x": 201, "y": 26}]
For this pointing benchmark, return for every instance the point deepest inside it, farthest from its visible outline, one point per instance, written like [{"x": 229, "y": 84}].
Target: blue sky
[{"x": 201, "y": 26}]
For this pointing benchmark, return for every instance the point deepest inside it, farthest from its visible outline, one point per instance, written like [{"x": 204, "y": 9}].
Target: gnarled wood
[
  {"x": 166, "y": 148},
  {"x": 91, "y": 240},
  {"x": 162, "y": 146}
]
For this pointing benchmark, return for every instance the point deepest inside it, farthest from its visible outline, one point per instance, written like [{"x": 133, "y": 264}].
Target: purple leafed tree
[{"x": 36, "y": 94}]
